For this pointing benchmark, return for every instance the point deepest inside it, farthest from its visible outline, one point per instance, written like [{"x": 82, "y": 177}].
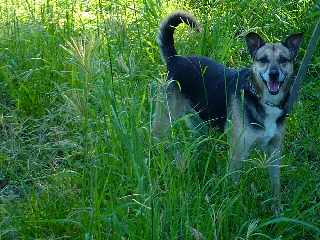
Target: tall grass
[{"x": 77, "y": 160}]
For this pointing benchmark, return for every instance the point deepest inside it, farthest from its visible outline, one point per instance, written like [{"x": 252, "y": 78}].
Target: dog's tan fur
[{"x": 170, "y": 106}]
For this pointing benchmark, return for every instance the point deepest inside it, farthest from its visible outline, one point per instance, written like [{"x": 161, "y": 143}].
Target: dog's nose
[{"x": 274, "y": 74}]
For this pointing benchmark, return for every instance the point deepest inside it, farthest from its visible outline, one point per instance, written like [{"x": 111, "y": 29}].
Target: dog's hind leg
[
  {"x": 170, "y": 106},
  {"x": 161, "y": 120}
]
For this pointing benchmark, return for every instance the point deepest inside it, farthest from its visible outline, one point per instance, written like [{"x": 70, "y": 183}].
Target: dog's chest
[{"x": 270, "y": 129}]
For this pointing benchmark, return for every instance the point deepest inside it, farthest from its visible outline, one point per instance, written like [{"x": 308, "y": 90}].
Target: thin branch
[{"x": 304, "y": 66}]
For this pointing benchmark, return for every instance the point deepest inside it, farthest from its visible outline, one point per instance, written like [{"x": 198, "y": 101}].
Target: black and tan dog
[{"x": 253, "y": 98}]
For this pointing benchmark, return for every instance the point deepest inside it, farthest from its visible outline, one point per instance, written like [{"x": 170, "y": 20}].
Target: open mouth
[{"x": 273, "y": 86}]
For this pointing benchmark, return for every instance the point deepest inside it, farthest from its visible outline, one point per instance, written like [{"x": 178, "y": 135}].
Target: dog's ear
[
  {"x": 254, "y": 42},
  {"x": 293, "y": 43}
]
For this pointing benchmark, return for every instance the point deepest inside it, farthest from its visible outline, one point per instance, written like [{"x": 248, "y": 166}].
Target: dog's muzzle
[{"x": 273, "y": 84}]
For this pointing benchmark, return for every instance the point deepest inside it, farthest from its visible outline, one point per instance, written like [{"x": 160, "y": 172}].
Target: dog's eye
[
  {"x": 263, "y": 60},
  {"x": 283, "y": 60}
]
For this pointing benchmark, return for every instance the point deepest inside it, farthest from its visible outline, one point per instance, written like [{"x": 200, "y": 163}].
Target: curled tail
[{"x": 167, "y": 27}]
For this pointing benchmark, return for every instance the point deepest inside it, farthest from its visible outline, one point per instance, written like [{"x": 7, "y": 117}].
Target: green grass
[{"x": 77, "y": 160}]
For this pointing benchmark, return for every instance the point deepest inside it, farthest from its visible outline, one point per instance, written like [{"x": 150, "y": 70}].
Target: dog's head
[{"x": 273, "y": 62}]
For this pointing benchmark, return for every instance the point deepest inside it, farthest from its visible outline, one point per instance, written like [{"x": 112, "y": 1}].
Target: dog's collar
[
  {"x": 248, "y": 86},
  {"x": 252, "y": 89}
]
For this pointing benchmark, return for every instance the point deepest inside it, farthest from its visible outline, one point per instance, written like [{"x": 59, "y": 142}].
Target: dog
[{"x": 254, "y": 99}]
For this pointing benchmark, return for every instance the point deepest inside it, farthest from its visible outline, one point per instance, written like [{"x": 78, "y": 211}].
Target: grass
[{"x": 77, "y": 160}]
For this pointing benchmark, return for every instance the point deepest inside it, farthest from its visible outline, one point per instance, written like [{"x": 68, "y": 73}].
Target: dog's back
[{"x": 207, "y": 84}]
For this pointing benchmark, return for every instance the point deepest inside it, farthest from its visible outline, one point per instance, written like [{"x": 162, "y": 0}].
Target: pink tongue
[{"x": 273, "y": 86}]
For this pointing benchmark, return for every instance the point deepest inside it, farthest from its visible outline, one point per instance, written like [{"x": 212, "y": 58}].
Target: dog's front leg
[
  {"x": 274, "y": 159},
  {"x": 243, "y": 137},
  {"x": 242, "y": 140},
  {"x": 274, "y": 171}
]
